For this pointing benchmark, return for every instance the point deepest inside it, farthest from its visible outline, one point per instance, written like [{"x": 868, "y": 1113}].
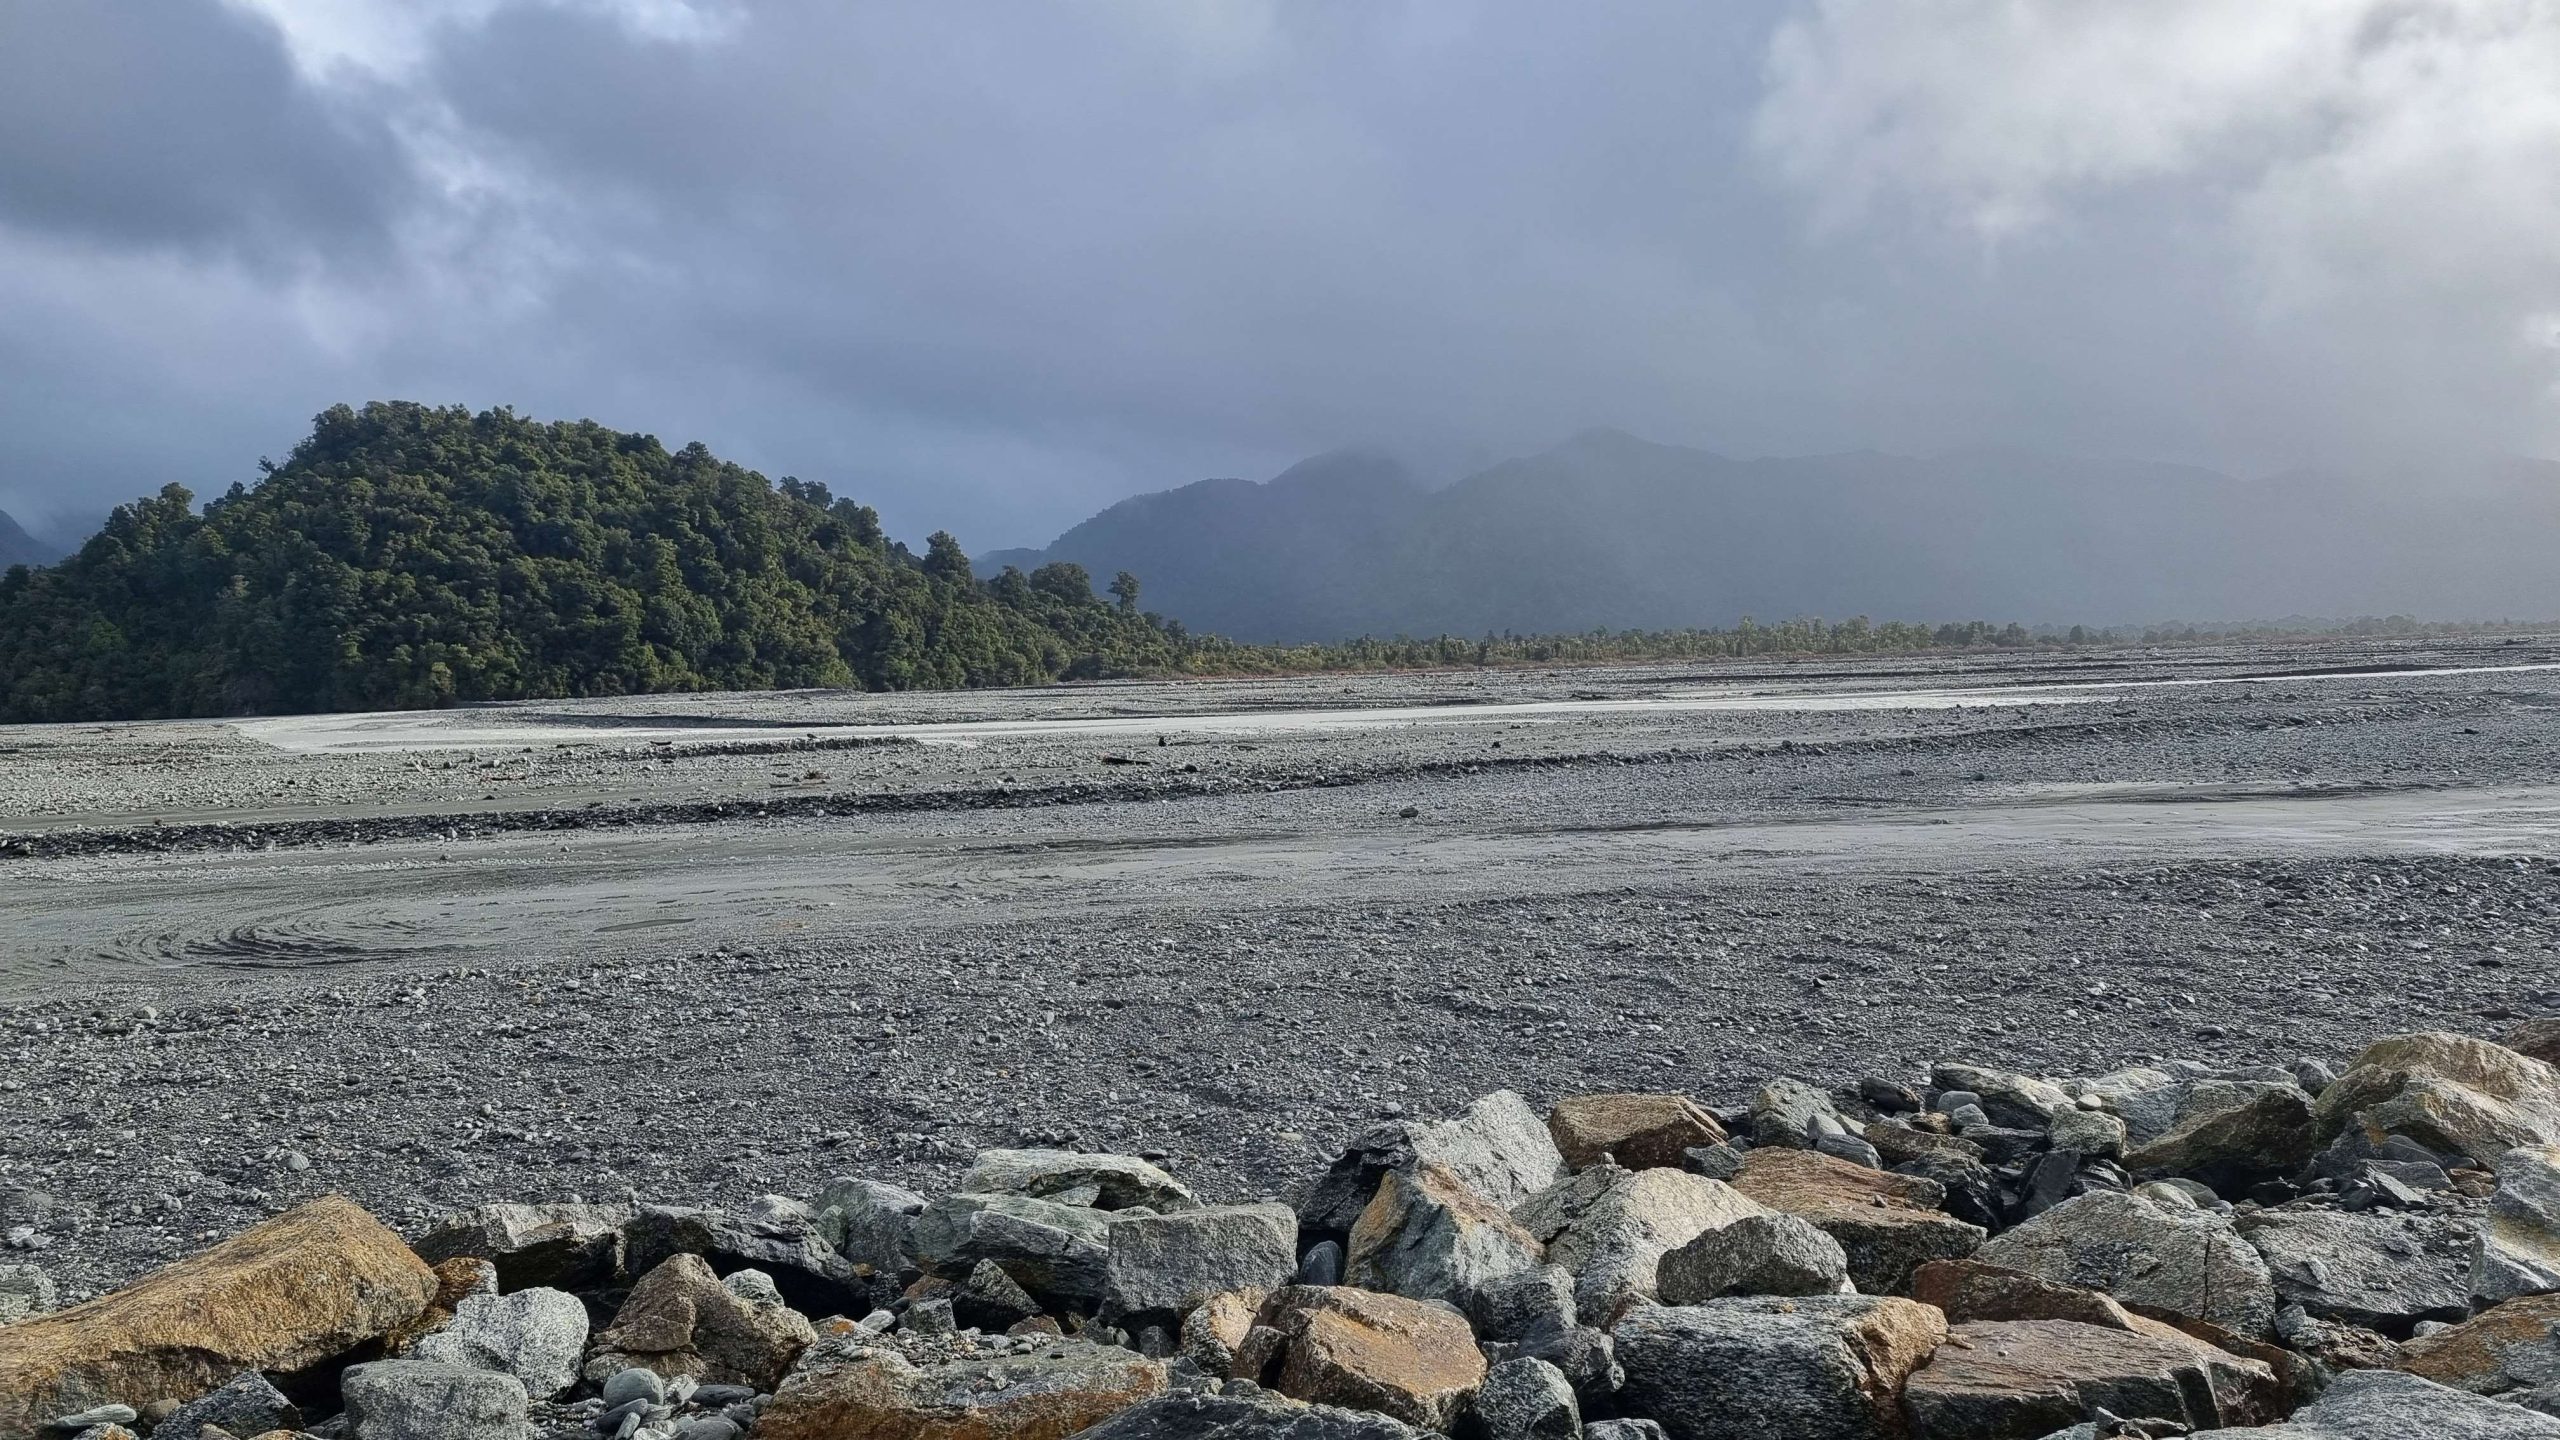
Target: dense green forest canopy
[{"x": 407, "y": 556}]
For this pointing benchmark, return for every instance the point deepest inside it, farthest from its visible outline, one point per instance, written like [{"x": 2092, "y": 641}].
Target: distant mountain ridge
[
  {"x": 17, "y": 547},
  {"x": 1609, "y": 530}
]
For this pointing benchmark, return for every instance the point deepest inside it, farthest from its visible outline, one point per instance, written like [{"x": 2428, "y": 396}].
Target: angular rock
[
  {"x": 1755, "y": 1255},
  {"x": 457, "y": 1280},
  {"x": 1190, "y": 1416},
  {"x": 869, "y": 1223},
  {"x": 989, "y": 1300},
  {"x": 2339, "y": 1347},
  {"x": 1888, "y": 1224},
  {"x": 2387, "y": 1405},
  {"x": 421, "y": 1400},
  {"x": 2183, "y": 1260},
  {"x": 564, "y": 1247},
  {"x": 1059, "y": 1253},
  {"x": 2146, "y": 1099},
  {"x": 249, "y": 1405},
  {"x": 681, "y": 1321},
  {"x": 2506, "y": 1347},
  {"x": 1789, "y": 1112},
  {"x": 1170, "y": 1263},
  {"x": 1498, "y": 1148},
  {"x": 2518, "y": 1251},
  {"x": 1115, "y": 1182},
  {"x": 25, "y": 1292},
  {"x": 1611, "y": 1228},
  {"x": 779, "y": 1239},
  {"x": 535, "y": 1335},
  {"x": 2381, "y": 1270},
  {"x": 1584, "y": 1355},
  {"x": 2450, "y": 1093},
  {"x": 1343, "y": 1346},
  {"x": 1215, "y": 1330},
  {"x": 1967, "y": 1290},
  {"x": 1427, "y": 1236},
  {"x": 2022, "y": 1379},
  {"x": 1640, "y": 1132},
  {"x": 2535, "y": 1039},
  {"x": 858, "y": 1388},
  {"x": 2087, "y": 1132},
  {"x": 1527, "y": 1399},
  {"x": 2017, "y": 1101},
  {"x": 1526, "y": 1301},
  {"x": 2230, "y": 1148},
  {"x": 1823, "y": 1367},
  {"x": 312, "y": 1283}
]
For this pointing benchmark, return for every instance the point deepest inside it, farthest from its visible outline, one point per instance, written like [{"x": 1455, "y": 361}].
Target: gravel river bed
[{"x": 699, "y": 948}]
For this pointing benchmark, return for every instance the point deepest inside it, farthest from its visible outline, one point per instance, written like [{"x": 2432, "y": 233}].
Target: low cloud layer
[{"x": 992, "y": 267}]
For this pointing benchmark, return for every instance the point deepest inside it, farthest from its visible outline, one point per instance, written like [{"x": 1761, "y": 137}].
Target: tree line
[{"x": 408, "y": 556}]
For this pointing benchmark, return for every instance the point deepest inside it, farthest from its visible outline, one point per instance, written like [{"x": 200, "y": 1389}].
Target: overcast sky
[{"x": 990, "y": 265}]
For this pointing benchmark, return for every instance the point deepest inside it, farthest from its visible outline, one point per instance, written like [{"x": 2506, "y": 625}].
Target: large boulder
[
  {"x": 1187, "y": 1415},
  {"x": 2505, "y": 1347},
  {"x": 1755, "y": 1255},
  {"x": 1824, "y": 1367},
  {"x": 1061, "y": 1254},
  {"x": 1104, "y": 1182},
  {"x": 681, "y": 1320},
  {"x": 1162, "y": 1266},
  {"x": 2179, "y": 1259},
  {"x": 2022, "y": 1379},
  {"x": 2387, "y": 1405},
  {"x": 1888, "y": 1224},
  {"x": 1527, "y": 1399},
  {"x": 1792, "y": 1113},
  {"x": 2144, "y": 1097},
  {"x": 2517, "y": 1252},
  {"x": 1973, "y": 1290},
  {"x": 1498, "y": 1148},
  {"x": 2018, "y": 1101},
  {"x": 1611, "y": 1227},
  {"x": 2267, "y": 1133},
  {"x": 2450, "y": 1093},
  {"x": 871, "y": 1224},
  {"x": 1427, "y": 1236},
  {"x": 421, "y": 1400},
  {"x": 776, "y": 1235},
  {"x": 866, "y": 1387},
  {"x": 2538, "y": 1039},
  {"x": 535, "y": 1335},
  {"x": 1640, "y": 1132},
  {"x": 565, "y": 1247},
  {"x": 313, "y": 1283},
  {"x": 1337, "y": 1345},
  {"x": 2381, "y": 1270}
]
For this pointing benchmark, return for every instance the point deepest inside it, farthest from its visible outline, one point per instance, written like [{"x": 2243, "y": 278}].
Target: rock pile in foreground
[{"x": 2166, "y": 1250}]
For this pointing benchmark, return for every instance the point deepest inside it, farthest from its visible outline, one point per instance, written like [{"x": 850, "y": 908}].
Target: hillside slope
[{"x": 408, "y": 556}]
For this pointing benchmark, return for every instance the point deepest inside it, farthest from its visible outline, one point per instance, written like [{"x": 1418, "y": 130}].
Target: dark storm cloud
[
  {"x": 181, "y": 124},
  {"x": 993, "y": 265}
]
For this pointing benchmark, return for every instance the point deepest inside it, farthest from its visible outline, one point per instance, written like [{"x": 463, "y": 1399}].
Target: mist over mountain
[
  {"x": 19, "y": 547},
  {"x": 1608, "y": 530}
]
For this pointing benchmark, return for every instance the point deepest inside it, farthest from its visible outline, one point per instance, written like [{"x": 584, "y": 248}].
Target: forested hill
[{"x": 408, "y": 556}]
